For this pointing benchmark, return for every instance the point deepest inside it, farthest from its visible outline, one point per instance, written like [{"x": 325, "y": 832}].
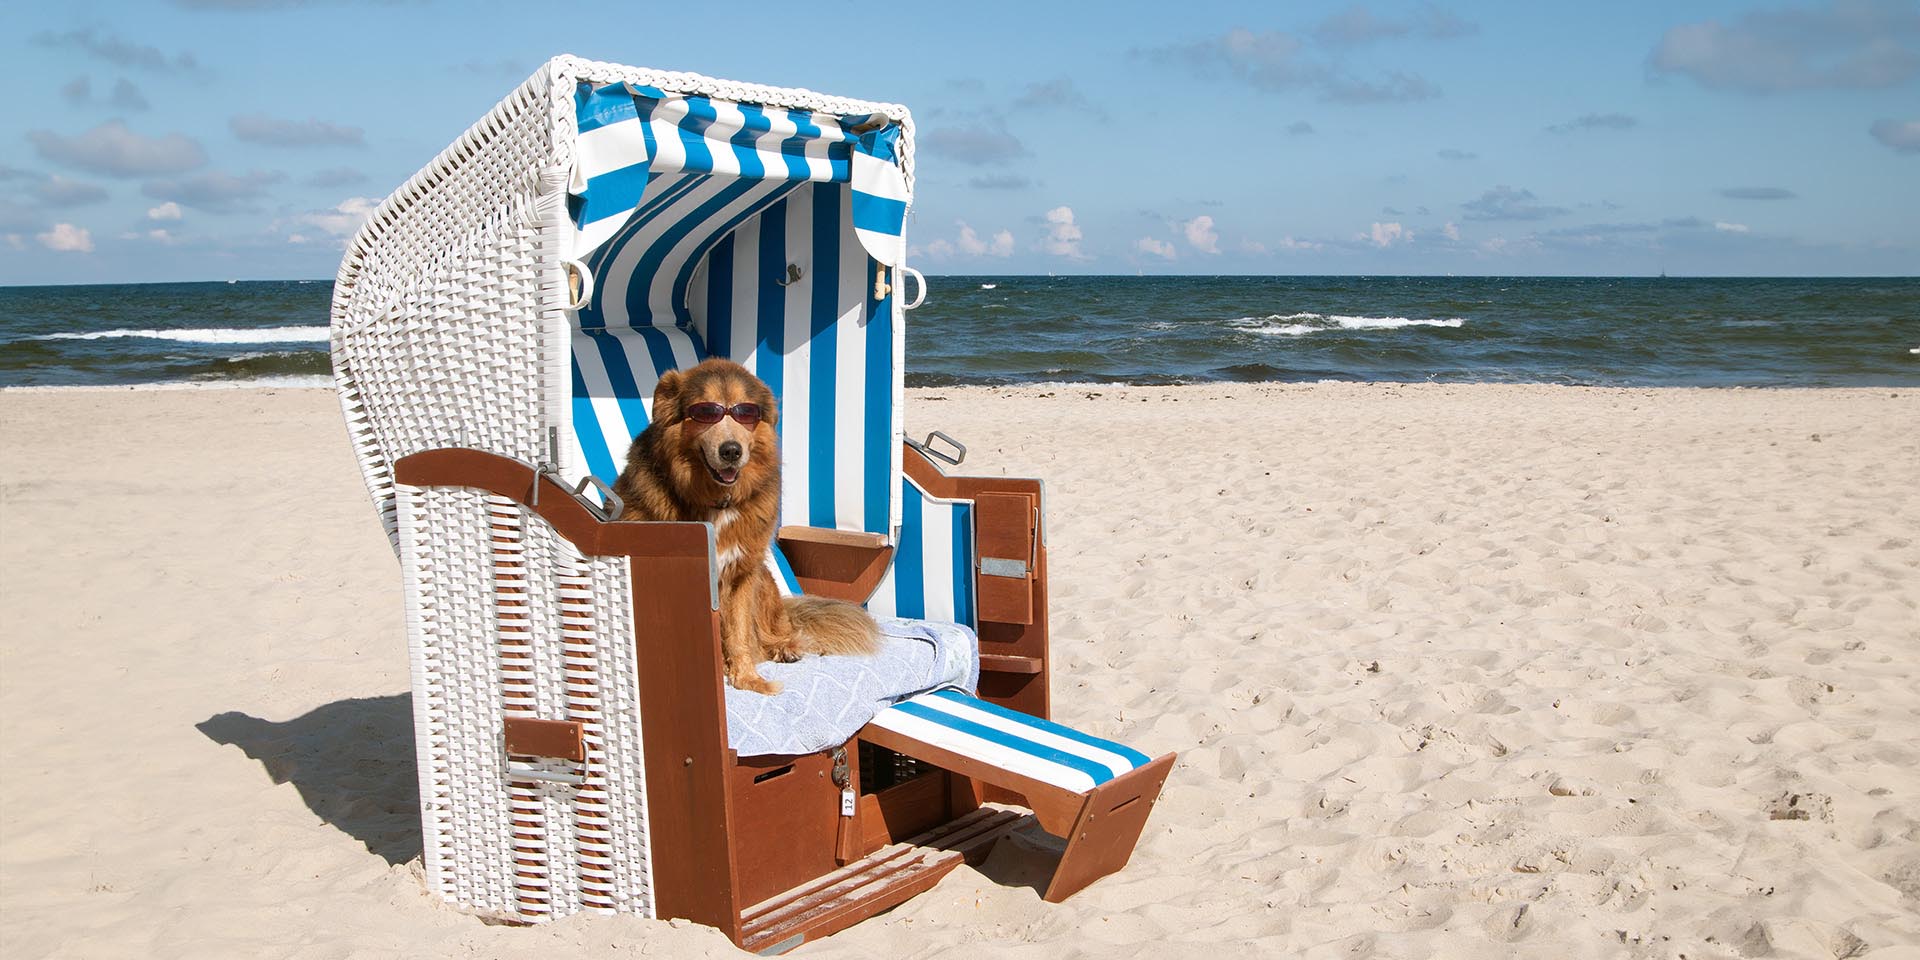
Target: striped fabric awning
[{"x": 638, "y": 144}]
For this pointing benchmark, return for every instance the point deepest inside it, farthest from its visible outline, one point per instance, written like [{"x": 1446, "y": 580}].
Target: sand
[{"x": 1454, "y": 671}]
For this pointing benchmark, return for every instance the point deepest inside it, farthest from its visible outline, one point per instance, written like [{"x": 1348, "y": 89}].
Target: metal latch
[
  {"x": 926, "y": 447},
  {"x": 843, "y": 778}
]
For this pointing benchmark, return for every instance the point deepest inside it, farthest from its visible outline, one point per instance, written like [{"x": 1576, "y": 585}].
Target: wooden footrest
[
  {"x": 1094, "y": 793},
  {"x": 880, "y": 882}
]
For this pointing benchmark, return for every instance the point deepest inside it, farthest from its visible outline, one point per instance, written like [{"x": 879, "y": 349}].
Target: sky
[{"x": 247, "y": 139}]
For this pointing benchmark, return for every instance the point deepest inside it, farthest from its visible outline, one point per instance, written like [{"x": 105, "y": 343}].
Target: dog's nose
[{"x": 730, "y": 451}]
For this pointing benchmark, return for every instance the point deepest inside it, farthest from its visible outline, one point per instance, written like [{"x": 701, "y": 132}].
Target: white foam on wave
[
  {"x": 314, "y": 381},
  {"x": 210, "y": 335},
  {"x": 1278, "y": 325}
]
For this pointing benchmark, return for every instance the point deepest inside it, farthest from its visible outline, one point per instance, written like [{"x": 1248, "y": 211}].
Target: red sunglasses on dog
[{"x": 745, "y": 414}]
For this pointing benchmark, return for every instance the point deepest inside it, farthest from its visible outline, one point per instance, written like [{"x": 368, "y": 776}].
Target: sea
[{"x": 1622, "y": 331}]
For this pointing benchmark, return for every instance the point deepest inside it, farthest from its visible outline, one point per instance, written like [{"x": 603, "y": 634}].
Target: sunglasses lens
[
  {"x": 706, "y": 412},
  {"x": 746, "y": 414}
]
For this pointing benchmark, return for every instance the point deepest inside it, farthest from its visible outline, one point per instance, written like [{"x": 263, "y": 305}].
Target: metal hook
[{"x": 793, "y": 275}]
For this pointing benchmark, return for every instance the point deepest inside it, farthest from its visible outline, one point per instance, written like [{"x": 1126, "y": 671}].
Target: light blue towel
[{"x": 825, "y": 700}]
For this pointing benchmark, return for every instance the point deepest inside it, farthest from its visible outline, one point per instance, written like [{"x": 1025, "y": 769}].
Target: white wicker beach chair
[{"x": 497, "y": 329}]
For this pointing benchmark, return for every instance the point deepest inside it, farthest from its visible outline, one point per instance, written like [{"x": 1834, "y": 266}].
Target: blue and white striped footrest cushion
[{"x": 1011, "y": 740}]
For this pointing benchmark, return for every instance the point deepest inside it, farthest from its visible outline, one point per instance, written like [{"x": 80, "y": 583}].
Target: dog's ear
[
  {"x": 769, "y": 409},
  {"x": 666, "y": 397}
]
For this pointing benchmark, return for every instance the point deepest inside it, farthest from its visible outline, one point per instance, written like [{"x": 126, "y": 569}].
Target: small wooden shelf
[
  {"x": 1003, "y": 663},
  {"x": 842, "y": 564}
]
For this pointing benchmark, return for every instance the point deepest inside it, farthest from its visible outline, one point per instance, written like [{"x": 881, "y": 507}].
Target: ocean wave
[
  {"x": 210, "y": 335},
  {"x": 1301, "y": 324},
  {"x": 278, "y": 381}
]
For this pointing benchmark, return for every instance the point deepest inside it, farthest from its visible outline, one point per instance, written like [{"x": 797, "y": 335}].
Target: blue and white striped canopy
[{"x": 639, "y": 144}]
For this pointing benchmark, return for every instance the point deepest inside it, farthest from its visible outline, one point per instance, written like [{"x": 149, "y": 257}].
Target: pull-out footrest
[{"x": 1095, "y": 793}]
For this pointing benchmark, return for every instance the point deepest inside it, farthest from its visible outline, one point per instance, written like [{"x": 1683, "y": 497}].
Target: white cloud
[
  {"x": 970, "y": 243},
  {"x": 16, "y": 241},
  {"x": 1851, "y": 44},
  {"x": 165, "y": 211},
  {"x": 1252, "y": 246},
  {"x": 1158, "y": 248},
  {"x": 1289, "y": 243},
  {"x": 1451, "y": 231},
  {"x": 67, "y": 237},
  {"x": 1063, "y": 235},
  {"x": 1729, "y": 227},
  {"x": 275, "y": 132},
  {"x": 1201, "y": 235},
  {"x": 215, "y": 192},
  {"x": 116, "y": 151},
  {"x": 1388, "y": 234},
  {"x": 157, "y": 235},
  {"x": 339, "y": 222},
  {"x": 1902, "y": 135}
]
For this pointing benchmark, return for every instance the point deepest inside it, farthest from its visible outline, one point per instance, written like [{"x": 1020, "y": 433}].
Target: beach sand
[{"x": 1453, "y": 671}]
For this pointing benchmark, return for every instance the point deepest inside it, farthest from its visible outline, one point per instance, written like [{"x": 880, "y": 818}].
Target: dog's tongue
[{"x": 727, "y": 476}]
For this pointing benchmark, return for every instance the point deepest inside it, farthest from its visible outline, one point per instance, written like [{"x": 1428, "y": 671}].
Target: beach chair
[{"x": 497, "y": 328}]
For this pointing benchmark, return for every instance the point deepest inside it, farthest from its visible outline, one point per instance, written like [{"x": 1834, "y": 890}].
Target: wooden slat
[
  {"x": 845, "y": 538},
  {"x": 853, "y": 900}
]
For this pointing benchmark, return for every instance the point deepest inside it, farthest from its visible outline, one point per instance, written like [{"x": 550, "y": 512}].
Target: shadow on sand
[{"x": 351, "y": 760}]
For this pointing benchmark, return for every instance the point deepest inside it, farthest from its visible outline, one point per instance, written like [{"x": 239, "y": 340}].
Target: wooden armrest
[
  {"x": 569, "y": 515},
  {"x": 840, "y": 538}
]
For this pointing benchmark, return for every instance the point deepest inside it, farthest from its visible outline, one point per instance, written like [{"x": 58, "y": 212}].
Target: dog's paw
[
  {"x": 754, "y": 683},
  {"x": 783, "y": 652}
]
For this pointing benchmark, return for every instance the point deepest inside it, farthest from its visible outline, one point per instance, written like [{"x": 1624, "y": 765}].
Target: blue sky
[{"x": 217, "y": 139}]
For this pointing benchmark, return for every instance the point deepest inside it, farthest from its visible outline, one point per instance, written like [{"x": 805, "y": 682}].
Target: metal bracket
[
  {"x": 1000, "y": 567},
  {"x": 522, "y": 770},
  {"x": 926, "y": 447},
  {"x": 614, "y": 506},
  {"x": 579, "y": 284}
]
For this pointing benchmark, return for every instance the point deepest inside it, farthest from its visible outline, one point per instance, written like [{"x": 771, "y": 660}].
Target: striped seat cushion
[{"x": 1013, "y": 741}]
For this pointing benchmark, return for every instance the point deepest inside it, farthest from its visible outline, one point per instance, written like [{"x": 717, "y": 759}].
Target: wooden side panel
[
  {"x": 677, "y": 640},
  {"x": 904, "y": 810},
  {"x": 1025, "y": 686},
  {"x": 1103, "y": 836},
  {"x": 786, "y": 812},
  {"x": 1003, "y": 530},
  {"x": 690, "y": 818}
]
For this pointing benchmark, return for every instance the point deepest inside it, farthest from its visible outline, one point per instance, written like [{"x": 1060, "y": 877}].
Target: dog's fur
[{"x": 677, "y": 470}]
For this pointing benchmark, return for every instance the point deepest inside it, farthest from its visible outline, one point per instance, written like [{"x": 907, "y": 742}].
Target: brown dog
[{"x": 711, "y": 454}]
